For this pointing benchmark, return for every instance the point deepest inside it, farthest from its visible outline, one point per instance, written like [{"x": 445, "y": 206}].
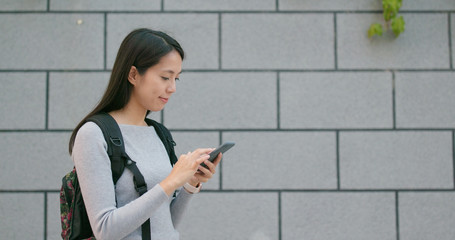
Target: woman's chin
[{"x": 156, "y": 108}]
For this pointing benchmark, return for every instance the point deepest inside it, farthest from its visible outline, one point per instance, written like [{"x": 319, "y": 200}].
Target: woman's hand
[
  {"x": 204, "y": 174},
  {"x": 185, "y": 169}
]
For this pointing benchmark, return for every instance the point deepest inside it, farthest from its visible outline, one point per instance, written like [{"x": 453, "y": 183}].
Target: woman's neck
[{"x": 132, "y": 114}]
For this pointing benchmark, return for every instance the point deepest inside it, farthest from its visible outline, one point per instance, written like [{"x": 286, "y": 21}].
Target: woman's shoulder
[
  {"x": 89, "y": 132},
  {"x": 90, "y": 127}
]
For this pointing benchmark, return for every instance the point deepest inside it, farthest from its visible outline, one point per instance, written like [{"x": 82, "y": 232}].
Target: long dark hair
[{"x": 141, "y": 48}]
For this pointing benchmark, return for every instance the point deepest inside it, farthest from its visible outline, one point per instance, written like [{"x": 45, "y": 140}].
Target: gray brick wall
[{"x": 338, "y": 136}]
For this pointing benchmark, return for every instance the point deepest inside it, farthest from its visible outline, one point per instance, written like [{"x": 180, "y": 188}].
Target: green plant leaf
[
  {"x": 391, "y": 8},
  {"x": 398, "y": 25},
  {"x": 375, "y": 29}
]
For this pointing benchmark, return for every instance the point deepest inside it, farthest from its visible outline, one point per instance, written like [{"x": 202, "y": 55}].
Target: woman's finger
[
  {"x": 217, "y": 159},
  {"x": 205, "y": 171},
  {"x": 201, "y": 151},
  {"x": 201, "y": 159},
  {"x": 201, "y": 177},
  {"x": 211, "y": 166}
]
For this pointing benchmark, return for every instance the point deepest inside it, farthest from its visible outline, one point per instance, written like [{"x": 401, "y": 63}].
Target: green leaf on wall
[
  {"x": 398, "y": 25},
  {"x": 375, "y": 29},
  {"x": 392, "y": 22}
]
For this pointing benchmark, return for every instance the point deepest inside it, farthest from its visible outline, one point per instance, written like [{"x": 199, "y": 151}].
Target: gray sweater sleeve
[
  {"x": 179, "y": 205},
  {"x": 95, "y": 178}
]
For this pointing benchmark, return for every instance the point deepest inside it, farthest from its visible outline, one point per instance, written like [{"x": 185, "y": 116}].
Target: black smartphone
[{"x": 221, "y": 149}]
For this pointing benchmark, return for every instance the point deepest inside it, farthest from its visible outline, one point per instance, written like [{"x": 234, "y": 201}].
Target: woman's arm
[{"x": 179, "y": 205}]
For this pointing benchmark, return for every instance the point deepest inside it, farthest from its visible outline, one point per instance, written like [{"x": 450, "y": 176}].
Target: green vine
[{"x": 392, "y": 20}]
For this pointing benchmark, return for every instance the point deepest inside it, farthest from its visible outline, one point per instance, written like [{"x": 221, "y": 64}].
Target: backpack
[{"x": 74, "y": 218}]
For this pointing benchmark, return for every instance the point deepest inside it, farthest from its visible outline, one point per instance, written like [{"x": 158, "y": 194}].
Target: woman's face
[{"x": 153, "y": 89}]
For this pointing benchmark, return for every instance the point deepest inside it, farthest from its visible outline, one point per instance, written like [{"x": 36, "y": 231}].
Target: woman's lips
[{"x": 164, "y": 99}]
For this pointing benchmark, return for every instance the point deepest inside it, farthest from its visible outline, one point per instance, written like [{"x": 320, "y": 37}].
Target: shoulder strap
[
  {"x": 166, "y": 138},
  {"x": 114, "y": 140},
  {"x": 116, "y": 150}
]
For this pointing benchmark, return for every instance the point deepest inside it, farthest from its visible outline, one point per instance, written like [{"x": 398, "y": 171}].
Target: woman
[{"x": 143, "y": 79}]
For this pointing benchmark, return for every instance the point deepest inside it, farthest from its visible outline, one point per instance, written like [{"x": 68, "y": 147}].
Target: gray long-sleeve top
[{"x": 124, "y": 219}]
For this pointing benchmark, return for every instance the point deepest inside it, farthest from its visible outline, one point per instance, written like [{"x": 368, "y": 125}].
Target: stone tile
[
  {"x": 231, "y": 216},
  {"x": 23, "y": 98},
  {"x": 423, "y": 45},
  {"x": 219, "y": 5},
  {"x": 23, "y": 5},
  {"x": 19, "y": 210},
  {"x": 443, "y": 5},
  {"x": 353, "y": 5},
  {"x": 110, "y": 5},
  {"x": 396, "y": 160},
  {"x": 329, "y": 5},
  {"x": 280, "y": 160},
  {"x": 40, "y": 156},
  {"x": 345, "y": 215},
  {"x": 54, "y": 227},
  {"x": 51, "y": 41},
  {"x": 79, "y": 92},
  {"x": 426, "y": 215},
  {"x": 277, "y": 41},
  {"x": 336, "y": 100},
  {"x": 425, "y": 99}
]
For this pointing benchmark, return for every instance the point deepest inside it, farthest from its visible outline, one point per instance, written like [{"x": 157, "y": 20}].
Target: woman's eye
[
  {"x": 165, "y": 78},
  {"x": 177, "y": 79}
]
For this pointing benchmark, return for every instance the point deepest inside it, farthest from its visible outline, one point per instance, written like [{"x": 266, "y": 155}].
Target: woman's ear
[{"x": 133, "y": 75}]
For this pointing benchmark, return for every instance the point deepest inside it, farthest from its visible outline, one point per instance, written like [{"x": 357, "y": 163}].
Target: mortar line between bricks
[
  {"x": 394, "y": 115},
  {"x": 397, "y": 216},
  {"x": 45, "y": 215},
  {"x": 278, "y": 109},
  {"x": 280, "y": 215},
  {"x": 105, "y": 41},
  {"x": 221, "y": 163},
  {"x": 450, "y": 40},
  {"x": 225, "y": 11},
  {"x": 259, "y": 130},
  {"x": 219, "y": 41},
  {"x": 46, "y": 111},
  {"x": 337, "y": 142},
  {"x": 453, "y": 153},
  {"x": 241, "y": 70},
  {"x": 277, "y": 5},
  {"x": 335, "y": 41},
  {"x": 162, "y": 5}
]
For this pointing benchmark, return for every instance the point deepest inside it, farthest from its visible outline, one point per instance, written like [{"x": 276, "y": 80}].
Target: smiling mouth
[{"x": 164, "y": 99}]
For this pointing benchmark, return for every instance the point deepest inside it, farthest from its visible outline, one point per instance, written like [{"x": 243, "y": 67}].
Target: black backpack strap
[
  {"x": 119, "y": 158},
  {"x": 114, "y": 140},
  {"x": 166, "y": 138},
  {"x": 141, "y": 188}
]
